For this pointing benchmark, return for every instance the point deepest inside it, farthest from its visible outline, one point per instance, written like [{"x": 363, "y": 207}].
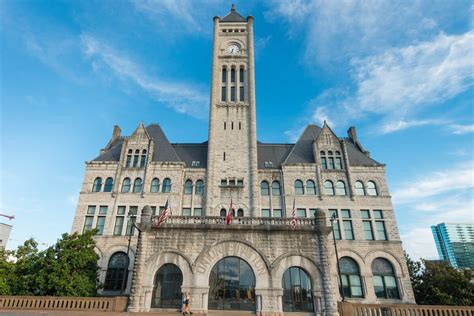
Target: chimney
[
  {"x": 352, "y": 134},
  {"x": 116, "y": 132}
]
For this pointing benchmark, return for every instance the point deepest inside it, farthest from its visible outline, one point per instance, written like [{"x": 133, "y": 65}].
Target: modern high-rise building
[
  {"x": 260, "y": 262},
  {"x": 455, "y": 244}
]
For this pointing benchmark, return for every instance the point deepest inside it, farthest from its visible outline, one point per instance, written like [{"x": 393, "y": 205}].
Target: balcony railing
[{"x": 242, "y": 222}]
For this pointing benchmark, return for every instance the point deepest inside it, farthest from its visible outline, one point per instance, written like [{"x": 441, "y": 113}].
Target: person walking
[{"x": 187, "y": 304}]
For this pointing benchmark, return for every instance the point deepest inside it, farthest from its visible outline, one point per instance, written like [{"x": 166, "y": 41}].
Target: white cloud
[
  {"x": 182, "y": 97},
  {"x": 419, "y": 243},
  {"x": 457, "y": 178},
  {"x": 393, "y": 126},
  {"x": 401, "y": 80},
  {"x": 459, "y": 129}
]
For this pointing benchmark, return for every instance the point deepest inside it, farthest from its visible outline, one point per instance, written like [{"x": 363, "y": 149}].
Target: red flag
[
  {"x": 293, "y": 216},
  {"x": 7, "y": 216},
  {"x": 166, "y": 213},
  {"x": 229, "y": 214}
]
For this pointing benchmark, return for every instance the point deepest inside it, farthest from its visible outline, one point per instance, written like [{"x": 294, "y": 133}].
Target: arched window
[
  {"x": 126, "y": 184},
  {"x": 310, "y": 187},
  {"x": 340, "y": 188},
  {"x": 135, "y": 158},
  {"x": 232, "y": 285},
  {"x": 223, "y": 212},
  {"x": 276, "y": 189},
  {"x": 264, "y": 189},
  {"x": 129, "y": 158},
  {"x": 240, "y": 212},
  {"x": 167, "y": 287},
  {"x": 338, "y": 160},
  {"x": 350, "y": 277},
  {"x": 232, "y": 85},
  {"x": 166, "y": 185},
  {"x": 242, "y": 91},
  {"x": 385, "y": 283},
  {"x": 299, "y": 189},
  {"x": 117, "y": 272},
  {"x": 155, "y": 185},
  {"x": 324, "y": 163},
  {"x": 143, "y": 159},
  {"x": 137, "y": 185},
  {"x": 297, "y": 291},
  {"x": 372, "y": 188},
  {"x": 109, "y": 183},
  {"x": 199, "y": 190},
  {"x": 359, "y": 188},
  {"x": 97, "y": 185},
  {"x": 224, "y": 85},
  {"x": 188, "y": 187},
  {"x": 328, "y": 188}
]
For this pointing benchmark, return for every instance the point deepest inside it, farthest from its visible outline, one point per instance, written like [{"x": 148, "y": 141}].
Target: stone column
[
  {"x": 322, "y": 232},
  {"x": 139, "y": 263}
]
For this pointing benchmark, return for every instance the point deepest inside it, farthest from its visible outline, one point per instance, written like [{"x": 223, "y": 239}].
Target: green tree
[
  {"x": 26, "y": 269},
  {"x": 69, "y": 268},
  {"x": 7, "y": 274},
  {"x": 440, "y": 284}
]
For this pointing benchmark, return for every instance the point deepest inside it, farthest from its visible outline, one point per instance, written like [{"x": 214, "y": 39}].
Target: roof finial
[{"x": 233, "y": 8}]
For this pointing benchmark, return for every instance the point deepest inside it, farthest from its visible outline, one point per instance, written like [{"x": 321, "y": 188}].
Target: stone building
[{"x": 258, "y": 262}]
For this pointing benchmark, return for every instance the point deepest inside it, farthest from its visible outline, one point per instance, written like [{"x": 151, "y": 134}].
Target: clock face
[{"x": 233, "y": 49}]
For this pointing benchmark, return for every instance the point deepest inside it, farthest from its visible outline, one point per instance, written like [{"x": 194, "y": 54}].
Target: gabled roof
[
  {"x": 192, "y": 152},
  {"x": 274, "y": 153},
  {"x": 162, "y": 151},
  {"x": 113, "y": 151},
  {"x": 233, "y": 16},
  {"x": 357, "y": 157},
  {"x": 302, "y": 152}
]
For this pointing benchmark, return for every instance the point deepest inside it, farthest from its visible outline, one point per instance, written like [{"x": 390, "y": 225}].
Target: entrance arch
[
  {"x": 297, "y": 291},
  {"x": 167, "y": 287},
  {"x": 232, "y": 285}
]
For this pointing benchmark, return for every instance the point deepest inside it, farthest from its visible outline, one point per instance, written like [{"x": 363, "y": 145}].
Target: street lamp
[
  {"x": 333, "y": 219},
  {"x": 131, "y": 219}
]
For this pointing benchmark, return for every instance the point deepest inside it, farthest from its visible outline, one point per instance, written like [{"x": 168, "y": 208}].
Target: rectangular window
[
  {"x": 301, "y": 212},
  {"x": 368, "y": 232},
  {"x": 365, "y": 214},
  {"x": 118, "y": 226},
  {"x": 241, "y": 75},
  {"x": 277, "y": 213},
  {"x": 232, "y": 94},
  {"x": 324, "y": 163},
  {"x": 130, "y": 226},
  {"x": 162, "y": 208},
  {"x": 133, "y": 210},
  {"x": 224, "y": 75},
  {"x": 153, "y": 210},
  {"x": 378, "y": 214},
  {"x": 240, "y": 182},
  {"x": 337, "y": 231},
  {"x": 128, "y": 162},
  {"x": 223, "y": 182},
  {"x": 266, "y": 212},
  {"x": 186, "y": 211},
  {"x": 345, "y": 213},
  {"x": 381, "y": 232},
  {"x": 91, "y": 210},
  {"x": 121, "y": 210},
  {"x": 378, "y": 286},
  {"x": 88, "y": 223},
  {"x": 197, "y": 211},
  {"x": 143, "y": 161},
  {"x": 224, "y": 94},
  {"x": 103, "y": 210},
  {"x": 242, "y": 93},
  {"x": 348, "y": 232},
  {"x": 331, "y": 163},
  {"x": 338, "y": 163},
  {"x": 100, "y": 225},
  {"x": 311, "y": 212},
  {"x": 232, "y": 75}
]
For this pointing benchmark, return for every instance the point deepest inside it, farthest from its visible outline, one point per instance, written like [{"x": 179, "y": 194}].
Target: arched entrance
[
  {"x": 297, "y": 291},
  {"x": 232, "y": 285},
  {"x": 167, "y": 288}
]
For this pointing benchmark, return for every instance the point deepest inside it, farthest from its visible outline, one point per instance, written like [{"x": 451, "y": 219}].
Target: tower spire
[{"x": 233, "y": 8}]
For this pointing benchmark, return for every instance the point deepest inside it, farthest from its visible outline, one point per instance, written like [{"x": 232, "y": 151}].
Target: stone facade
[{"x": 233, "y": 166}]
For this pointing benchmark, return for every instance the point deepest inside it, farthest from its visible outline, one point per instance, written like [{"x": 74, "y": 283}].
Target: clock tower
[{"x": 232, "y": 148}]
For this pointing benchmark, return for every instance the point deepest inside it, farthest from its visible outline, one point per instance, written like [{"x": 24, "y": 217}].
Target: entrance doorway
[
  {"x": 232, "y": 285},
  {"x": 297, "y": 291},
  {"x": 167, "y": 289}
]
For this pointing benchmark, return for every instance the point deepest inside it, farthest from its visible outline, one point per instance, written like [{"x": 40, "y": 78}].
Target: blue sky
[{"x": 400, "y": 71}]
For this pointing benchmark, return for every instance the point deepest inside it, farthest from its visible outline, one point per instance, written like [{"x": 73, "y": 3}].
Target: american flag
[
  {"x": 229, "y": 214},
  {"x": 293, "y": 216},
  {"x": 164, "y": 216}
]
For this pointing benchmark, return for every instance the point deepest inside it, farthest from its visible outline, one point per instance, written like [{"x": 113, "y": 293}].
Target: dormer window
[
  {"x": 129, "y": 158},
  {"x": 195, "y": 163},
  {"x": 268, "y": 164},
  {"x": 143, "y": 159},
  {"x": 135, "y": 158}
]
